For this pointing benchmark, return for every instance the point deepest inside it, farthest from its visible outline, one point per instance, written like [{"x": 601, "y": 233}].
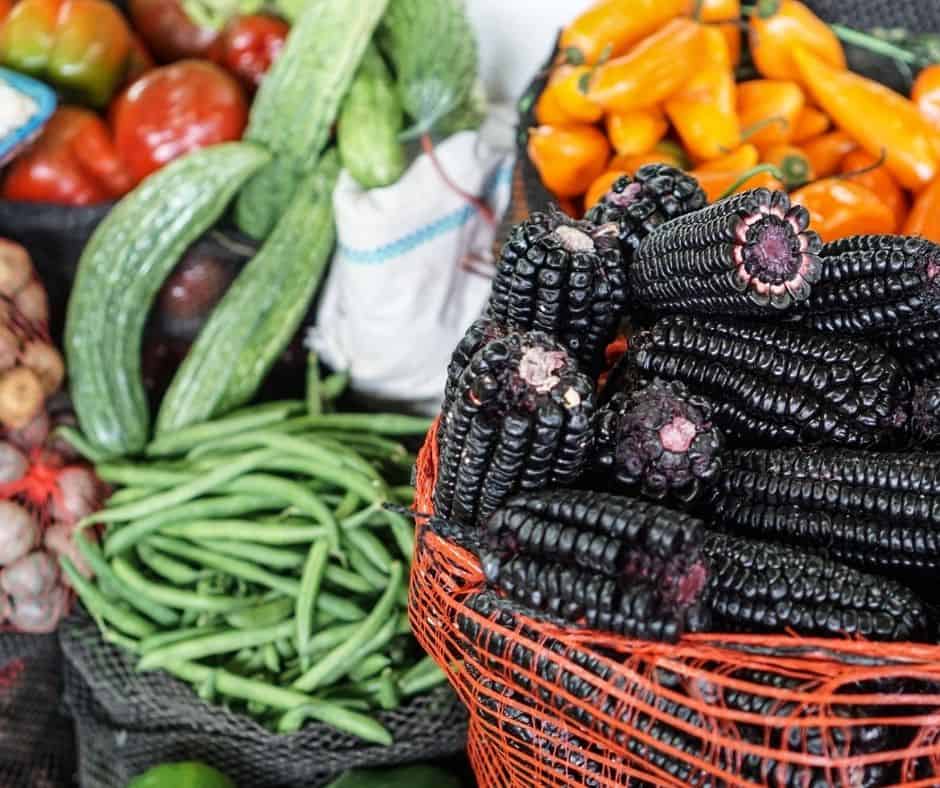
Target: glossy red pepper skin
[
  {"x": 249, "y": 45},
  {"x": 176, "y": 109},
  {"x": 5, "y": 6},
  {"x": 74, "y": 162},
  {"x": 168, "y": 32},
  {"x": 81, "y": 47}
]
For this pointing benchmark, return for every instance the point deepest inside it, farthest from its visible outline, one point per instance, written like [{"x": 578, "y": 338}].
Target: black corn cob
[
  {"x": 925, "y": 417},
  {"x": 878, "y": 511},
  {"x": 776, "y": 386},
  {"x": 871, "y": 284},
  {"x": 749, "y": 254},
  {"x": 565, "y": 278},
  {"x": 917, "y": 347},
  {"x": 520, "y": 420},
  {"x": 848, "y": 740},
  {"x": 480, "y": 332},
  {"x": 625, "y": 565},
  {"x": 638, "y": 205},
  {"x": 660, "y": 440},
  {"x": 761, "y": 586}
]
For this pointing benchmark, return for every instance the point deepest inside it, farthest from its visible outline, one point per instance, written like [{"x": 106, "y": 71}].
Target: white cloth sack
[{"x": 398, "y": 297}]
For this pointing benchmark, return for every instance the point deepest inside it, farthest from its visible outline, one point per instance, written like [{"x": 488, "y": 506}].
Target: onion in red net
[
  {"x": 19, "y": 532},
  {"x": 35, "y": 574},
  {"x": 41, "y": 613},
  {"x": 13, "y": 463}
]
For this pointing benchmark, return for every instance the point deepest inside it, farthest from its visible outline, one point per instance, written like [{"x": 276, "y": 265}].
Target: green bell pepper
[{"x": 186, "y": 774}]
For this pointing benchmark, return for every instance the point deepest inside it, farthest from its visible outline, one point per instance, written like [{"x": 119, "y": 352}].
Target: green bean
[
  {"x": 272, "y": 660},
  {"x": 421, "y": 677},
  {"x": 235, "y": 444},
  {"x": 145, "y": 476},
  {"x": 212, "y": 645},
  {"x": 185, "y": 492},
  {"x": 127, "y": 621},
  {"x": 334, "y": 385},
  {"x": 179, "y": 441},
  {"x": 293, "y": 492},
  {"x": 336, "y": 661},
  {"x": 364, "y": 568},
  {"x": 349, "y": 581},
  {"x": 97, "y": 563},
  {"x": 128, "y": 494},
  {"x": 380, "y": 423},
  {"x": 403, "y": 533},
  {"x": 174, "y": 636},
  {"x": 404, "y": 493},
  {"x": 356, "y": 704},
  {"x": 245, "y": 531},
  {"x": 266, "y": 614},
  {"x": 348, "y": 457},
  {"x": 329, "y": 638},
  {"x": 374, "y": 644},
  {"x": 312, "y": 577},
  {"x": 285, "y": 647},
  {"x": 77, "y": 441},
  {"x": 404, "y": 624},
  {"x": 262, "y": 554},
  {"x": 122, "y": 641},
  {"x": 369, "y": 667},
  {"x": 314, "y": 395},
  {"x": 402, "y": 596},
  {"x": 359, "y": 725},
  {"x": 370, "y": 546},
  {"x": 339, "y": 607},
  {"x": 231, "y": 566},
  {"x": 349, "y": 505},
  {"x": 360, "y": 518},
  {"x": 334, "y": 463},
  {"x": 178, "y": 573},
  {"x": 206, "y": 690},
  {"x": 126, "y": 536},
  {"x": 387, "y": 695},
  {"x": 368, "y": 445},
  {"x": 174, "y": 597}
]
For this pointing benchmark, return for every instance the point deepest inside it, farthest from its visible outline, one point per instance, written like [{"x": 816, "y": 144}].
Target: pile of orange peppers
[{"x": 654, "y": 81}]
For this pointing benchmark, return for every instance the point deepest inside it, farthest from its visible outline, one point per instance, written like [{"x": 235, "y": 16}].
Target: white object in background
[
  {"x": 515, "y": 39},
  {"x": 399, "y": 296}
]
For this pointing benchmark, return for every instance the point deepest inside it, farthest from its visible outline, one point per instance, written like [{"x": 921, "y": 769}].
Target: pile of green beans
[{"x": 252, "y": 556}]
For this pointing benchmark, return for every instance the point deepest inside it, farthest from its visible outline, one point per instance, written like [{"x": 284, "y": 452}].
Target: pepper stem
[
  {"x": 874, "y": 44},
  {"x": 751, "y": 130},
  {"x": 795, "y": 169},
  {"x": 748, "y": 174},
  {"x": 861, "y": 171},
  {"x": 766, "y": 8}
]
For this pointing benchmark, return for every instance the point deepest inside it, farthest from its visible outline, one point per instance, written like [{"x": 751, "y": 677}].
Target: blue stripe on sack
[{"x": 502, "y": 176}]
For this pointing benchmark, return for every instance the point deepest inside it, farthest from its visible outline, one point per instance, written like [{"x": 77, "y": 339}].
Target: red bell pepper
[
  {"x": 249, "y": 45},
  {"x": 5, "y": 6},
  {"x": 139, "y": 62},
  {"x": 74, "y": 162},
  {"x": 175, "y": 109}
]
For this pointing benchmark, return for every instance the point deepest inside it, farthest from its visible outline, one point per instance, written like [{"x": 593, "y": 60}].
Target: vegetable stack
[{"x": 739, "y": 96}]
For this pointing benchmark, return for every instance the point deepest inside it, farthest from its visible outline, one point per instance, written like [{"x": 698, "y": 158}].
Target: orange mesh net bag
[{"x": 568, "y": 706}]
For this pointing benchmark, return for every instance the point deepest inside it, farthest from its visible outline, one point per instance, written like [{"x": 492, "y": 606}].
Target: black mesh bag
[
  {"x": 127, "y": 722},
  {"x": 37, "y": 745}
]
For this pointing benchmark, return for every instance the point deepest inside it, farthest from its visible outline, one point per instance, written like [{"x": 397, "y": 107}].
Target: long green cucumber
[
  {"x": 123, "y": 266},
  {"x": 260, "y": 312},
  {"x": 298, "y": 102}
]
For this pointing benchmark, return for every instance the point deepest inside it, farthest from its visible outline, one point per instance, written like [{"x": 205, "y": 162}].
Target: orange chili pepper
[
  {"x": 568, "y": 158},
  {"x": 652, "y": 71},
  {"x": 839, "y": 208},
  {"x": 600, "y": 187},
  {"x": 859, "y": 167},
  {"x": 768, "y": 110},
  {"x": 569, "y": 84},
  {"x": 792, "y": 162},
  {"x": 777, "y": 27},
  {"x": 727, "y": 12},
  {"x": 630, "y": 164},
  {"x": 826, "y": 152},
  {"x": 741, "y": 158},
  {"x": 636, "y": 132},
  {"x": 609, "y": 27},
  {"x": 926, "y": 94},
  {"x": 876, "y": 117},
  {"x": 809, "y": 123},
  {"x": 703, "y": 111},
  {"x": 924, "y": 218},
  {"x": 548, "y": 111},
  {"x": 716, "y": 182}
]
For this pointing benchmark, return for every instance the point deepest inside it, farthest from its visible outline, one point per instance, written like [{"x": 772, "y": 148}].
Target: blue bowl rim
[{"x": 45, "y": 98}]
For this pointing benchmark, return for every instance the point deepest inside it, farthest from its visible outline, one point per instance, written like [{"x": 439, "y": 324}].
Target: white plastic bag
[{"x": 400, "y": 293}]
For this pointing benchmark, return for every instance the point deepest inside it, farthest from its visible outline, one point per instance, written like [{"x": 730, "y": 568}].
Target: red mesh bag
[{"x": 556, "y": 706}]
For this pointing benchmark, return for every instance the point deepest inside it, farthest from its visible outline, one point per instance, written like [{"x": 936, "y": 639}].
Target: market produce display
[{"x": 740, "y": 97}]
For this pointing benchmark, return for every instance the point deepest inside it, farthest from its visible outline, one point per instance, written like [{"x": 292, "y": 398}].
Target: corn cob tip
[{"x": 925, "y": 418}]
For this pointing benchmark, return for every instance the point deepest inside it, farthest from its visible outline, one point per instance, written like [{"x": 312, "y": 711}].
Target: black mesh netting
[
  {"x": 37, "y": 746},
  {"x": 127, "y": 721}
]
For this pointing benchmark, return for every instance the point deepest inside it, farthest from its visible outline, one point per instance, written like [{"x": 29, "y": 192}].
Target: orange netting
[{"x": 553, "y": 706}]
